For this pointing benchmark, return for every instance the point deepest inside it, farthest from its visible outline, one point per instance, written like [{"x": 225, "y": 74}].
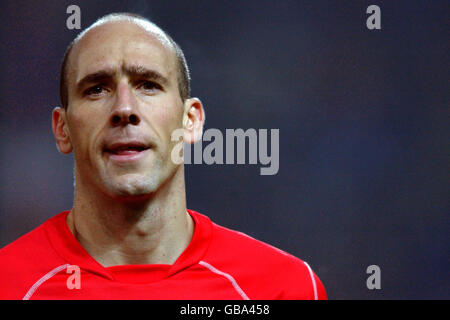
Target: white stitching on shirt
[
  {"x": 228, "y": 276},
  {"x": 313, "y": 280},
  {"x": 38, "y": 283}
]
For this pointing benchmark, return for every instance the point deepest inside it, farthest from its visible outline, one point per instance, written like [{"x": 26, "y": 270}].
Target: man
[{"x": 124, "y": 91}]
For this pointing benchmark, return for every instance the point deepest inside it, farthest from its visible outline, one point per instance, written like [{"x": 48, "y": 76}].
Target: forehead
[{"x": 116, "y": 43}]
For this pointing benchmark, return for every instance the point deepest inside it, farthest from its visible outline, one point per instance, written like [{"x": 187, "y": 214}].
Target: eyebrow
[{"x": 132, "y": 71}]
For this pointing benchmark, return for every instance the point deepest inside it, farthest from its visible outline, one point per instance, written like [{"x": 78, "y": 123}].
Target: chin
[
  {"x": 131, "y": 187},
  {"x": 137, "y": 185}
]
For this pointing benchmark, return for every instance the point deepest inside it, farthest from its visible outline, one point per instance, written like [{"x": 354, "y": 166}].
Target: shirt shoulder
[
  {"x": 262, "y": 270},
  {"x": 25, "y": 261}
]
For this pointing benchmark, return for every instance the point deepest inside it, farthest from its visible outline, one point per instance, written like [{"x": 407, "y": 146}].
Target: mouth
[{"x": 126, "y": 151}]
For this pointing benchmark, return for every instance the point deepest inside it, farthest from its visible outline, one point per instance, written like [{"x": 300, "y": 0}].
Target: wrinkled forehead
[{"x": 142, "y": 37}]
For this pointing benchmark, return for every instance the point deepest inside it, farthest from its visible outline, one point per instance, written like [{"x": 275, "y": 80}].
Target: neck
[{"x": 116, "y": 232}]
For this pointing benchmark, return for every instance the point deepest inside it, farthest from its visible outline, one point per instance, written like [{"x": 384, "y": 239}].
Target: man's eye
[
  {"x": 149, "y": 86},
  {"x": 95, "y": 90}
]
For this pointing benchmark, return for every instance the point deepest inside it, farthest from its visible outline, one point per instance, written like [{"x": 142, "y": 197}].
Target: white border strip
[
  {"x": 226, "y": 275},
  {"x": 38, "y": 283},
  {"x": 313, "y": 280}
]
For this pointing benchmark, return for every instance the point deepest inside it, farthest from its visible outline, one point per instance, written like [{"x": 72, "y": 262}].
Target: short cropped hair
[{"x": 183, "y": 76}]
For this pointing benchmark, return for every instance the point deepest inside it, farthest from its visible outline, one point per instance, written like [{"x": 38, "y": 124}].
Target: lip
[
  {"x": 126, "y": 157},
  {"x": 126, "y": 151}
]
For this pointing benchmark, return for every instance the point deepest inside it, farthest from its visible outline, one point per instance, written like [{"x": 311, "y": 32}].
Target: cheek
[
  {"x": 170, "y": 119},
  {"x": 83, "y": 129},
  {"x": 167, "y": 122}
]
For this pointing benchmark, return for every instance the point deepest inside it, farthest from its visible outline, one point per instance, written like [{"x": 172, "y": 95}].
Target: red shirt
[{"x": 219, "y": 263}]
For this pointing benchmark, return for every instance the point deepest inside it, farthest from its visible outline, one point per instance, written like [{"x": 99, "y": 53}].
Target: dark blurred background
[{"x": 363, "y": 118}]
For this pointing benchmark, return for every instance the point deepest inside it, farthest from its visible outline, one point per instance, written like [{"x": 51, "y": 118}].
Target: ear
[
  {"x": 61, "y": 131},
  {"x": 193, "y": 120}
]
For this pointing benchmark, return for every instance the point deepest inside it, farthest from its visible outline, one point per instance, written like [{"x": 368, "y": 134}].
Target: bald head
[{"x": 68, "y": 65}]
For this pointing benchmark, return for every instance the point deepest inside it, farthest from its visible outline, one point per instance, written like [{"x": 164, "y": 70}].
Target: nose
[{"x": 124, "y": 111}]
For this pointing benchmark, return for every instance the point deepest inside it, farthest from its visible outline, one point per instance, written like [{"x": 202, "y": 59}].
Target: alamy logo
[
  {"x": 240, "y": 147},
  {"x": 374, "y": 20},
  {"x": 374, "y": 281},
  {"x": 74, "y": 20},
  {"x": 73, "y": 281}
]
